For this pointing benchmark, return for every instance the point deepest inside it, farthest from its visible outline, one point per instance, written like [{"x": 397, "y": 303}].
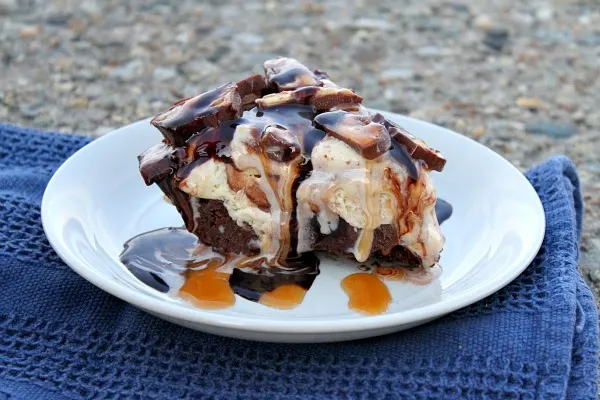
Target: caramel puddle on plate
[
  {"x": 208, "y": 288},
  {"x": 367, "y": 293},
  {"x": 284, "y": 297}
]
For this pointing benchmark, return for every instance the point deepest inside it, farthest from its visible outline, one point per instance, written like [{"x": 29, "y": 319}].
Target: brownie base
[
  {"x": 214, "y": 227},
  {"x": 385, "y": 245}
]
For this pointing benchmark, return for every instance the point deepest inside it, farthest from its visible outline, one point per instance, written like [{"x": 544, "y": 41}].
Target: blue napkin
[{"x": 61, "y": 337}]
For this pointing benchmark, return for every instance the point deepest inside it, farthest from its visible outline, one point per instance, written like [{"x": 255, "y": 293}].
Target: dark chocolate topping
[
  {"x": 252, "y": 88},
  {"x": 190, "y": 116},
  {"x": 401, "y": 155},
  {"x": 280, "y": 144},
  {"x": 162, "y": 160},
  {"x": 443, "y": 210},
  {"x": 254, "y": 84},
  {"x": 157, "y": 162},
  {"x": 289, "y": 74},
  {"x": 415, "y": 147},
  {"x": 369, "y": 138},
  {"x": 323, "y": 98}
]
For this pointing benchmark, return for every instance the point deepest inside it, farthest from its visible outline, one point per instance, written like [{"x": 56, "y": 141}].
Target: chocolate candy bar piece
[
  {"x": 289, "y": 74},
  {"x": 240, "y": 180},
  {"x": 280, "y": 144},
  {"x": 190, "y": 116},
  {"x": 416, "y": 148},
  {"x": 328, "y": 97},
  {"x": 251, "y": 88},
  {"x": 369, "y": 138},
  {"x": 323, "y": 98},
  {"x": 158, "y": 162}
]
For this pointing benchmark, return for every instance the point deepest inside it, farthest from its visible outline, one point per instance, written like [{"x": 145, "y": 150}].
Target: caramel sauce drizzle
[
  {"x": 367, "y": 293},
  {"x": 208, "y": 288},
  {"x": 285, "y": 297}
]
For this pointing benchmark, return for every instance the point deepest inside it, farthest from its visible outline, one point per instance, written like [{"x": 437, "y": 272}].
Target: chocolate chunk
[
  {"x": 323, "y": 98},
  {"x": 416, "y": 148},
  {"x": 279, "y": 144},
  {"x": 327, "y": 97},
  {"x": 300, "y": 96},
  {"x": 190, "y": 116},
  {"x": 240, "y": 180},
  {"x": 157, "y": 162},
  {"x": 369, "y": 138},
  {"x": 251, "y": 88},
  {"x": 288, "y": 74},
  {"x": 432, "y": 158}
]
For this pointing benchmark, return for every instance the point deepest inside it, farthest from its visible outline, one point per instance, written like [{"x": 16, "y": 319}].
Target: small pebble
[
  {"x": 164, "y": 74},
  {"x": 223, "y": 31},
  {"x": 96, "y": 114},
  {"x": 544, "y": 14},
  {"x": 250, "y": 39},
  {"x": 63, "y": 62},
  {"x": 394, "y": 74},
  {"x": 30, "y": 110},
  {"x": 478, "y": 132},
  {"x": 483, "y": 22},
  {"x": 459, "y": 125},
  {"x": 79, "y": 26},
  {"x": 578, "y": 116},
  {"x": 57, "y": 19},
  {"x": 529, "y": 102},
  {"x": 310, "y": 7},
  {"x": 496, "y": 38},
  {"x": 590, "y": 264},
  {"x": 556, "y": 131},
  {"x": 81, "y": 102},
  {"x": 6, "y": 6},
  {"x": 372, "y": 24},
  {"x": 29, "y": 32},
  {"x": 553, "y": 36},
  {"x": 434, "y": 51},
  {"x": 590, "y": 40},
  {"x": 127, "y": 72},
  {"x": 427, "y": 24},
  {"x": 459, "y": 7}
]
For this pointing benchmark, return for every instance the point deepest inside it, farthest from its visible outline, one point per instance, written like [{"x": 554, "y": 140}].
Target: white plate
[{"x": 97, "y": 200}]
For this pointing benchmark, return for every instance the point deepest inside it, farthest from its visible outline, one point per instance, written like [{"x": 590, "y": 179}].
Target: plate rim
[{"x": 290, "y": 325}]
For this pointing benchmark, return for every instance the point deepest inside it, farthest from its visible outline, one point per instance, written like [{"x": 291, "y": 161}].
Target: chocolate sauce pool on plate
[
  {"x": 443, "y": 210},
  {"x": 172, "y": 260},
  {"x": 168, "y": 259}
]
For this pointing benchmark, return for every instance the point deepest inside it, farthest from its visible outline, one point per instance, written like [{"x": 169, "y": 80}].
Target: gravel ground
[{"x": 521, "y": 77}]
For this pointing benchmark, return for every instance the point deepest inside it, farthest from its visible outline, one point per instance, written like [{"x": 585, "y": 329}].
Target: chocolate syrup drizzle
[{"x": 161, "y": 259}]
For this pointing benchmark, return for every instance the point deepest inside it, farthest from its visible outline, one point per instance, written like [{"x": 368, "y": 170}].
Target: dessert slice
[{"x": 289, "y": 163}]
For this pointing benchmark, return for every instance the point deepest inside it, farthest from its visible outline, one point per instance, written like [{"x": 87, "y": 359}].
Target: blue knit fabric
[{"x": 61, "y": 337}]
